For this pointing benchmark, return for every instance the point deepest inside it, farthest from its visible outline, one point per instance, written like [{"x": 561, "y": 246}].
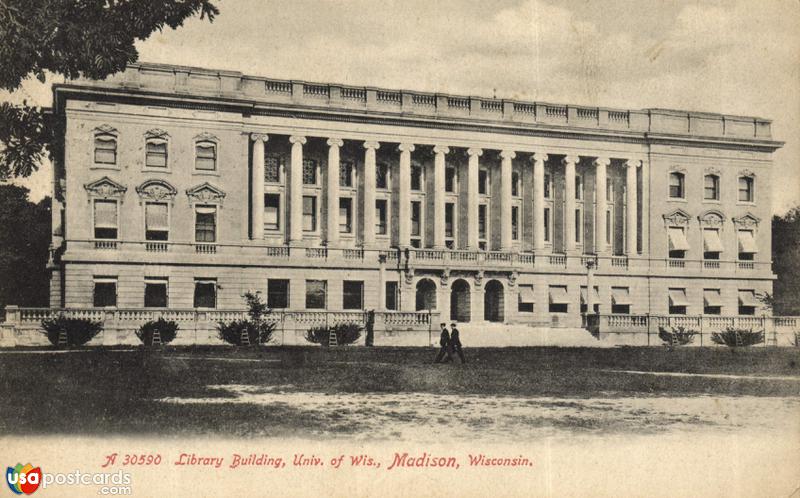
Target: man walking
[
  {"x": 455, "y": 342},
  {"x": 444, "y": 343}
]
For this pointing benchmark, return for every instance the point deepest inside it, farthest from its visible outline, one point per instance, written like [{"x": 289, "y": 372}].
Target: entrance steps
[{"x": 511, "y": 335}]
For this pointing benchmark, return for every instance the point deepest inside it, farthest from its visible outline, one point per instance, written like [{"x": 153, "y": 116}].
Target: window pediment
[
  {"x": 747, "y": 173},
  {"x": 105, "y": 129},
  {"x": 105, "y": 188},
  {"x": 678, "y": 217},
  {"x": 206, "y": 137},
  {"x": 711, "y": 218},
  {"x": 156, "y": 190},
  {"x": 205, "y": 193},
  {"x": 749, "y": 220},
  {"x": 156, "y": 133}
]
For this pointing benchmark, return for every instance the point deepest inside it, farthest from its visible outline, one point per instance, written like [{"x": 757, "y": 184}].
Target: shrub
[
  {"x": 677, "y": 336},
  {"x": 79, "y": 330},
  {"x": 167, "y": 329},
  {"x": 258, "y": 330},
  {"x": 733, "y": 337},
  {"x": 346, "y": 333}
]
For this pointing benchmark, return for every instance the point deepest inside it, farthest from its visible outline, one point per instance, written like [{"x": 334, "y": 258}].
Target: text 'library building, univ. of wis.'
[{"x": 182, "y": 188}]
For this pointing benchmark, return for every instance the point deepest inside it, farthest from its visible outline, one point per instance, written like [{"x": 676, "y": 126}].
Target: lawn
[{"x": 391, "y": 393}]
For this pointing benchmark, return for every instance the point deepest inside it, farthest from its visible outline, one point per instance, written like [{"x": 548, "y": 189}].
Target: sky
[{"x": 737, "y": 57}]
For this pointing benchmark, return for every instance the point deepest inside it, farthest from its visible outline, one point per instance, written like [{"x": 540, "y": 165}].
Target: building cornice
[{"x": 250, "y": 107}]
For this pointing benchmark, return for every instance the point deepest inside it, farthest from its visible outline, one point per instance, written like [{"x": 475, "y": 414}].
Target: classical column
[
  {"x": 538, "y": 201},
  {"x": 333, "y": 190},
  {"x": 600, "y": 245},
  {"x": 404, "y": 215},
  {"x": 369, "y": 192},
  {"x": 296, "y": 190},
  {"x": 257, "y": 190},
  {"x": 438, "y": 196},
  {"x": 472, "y": 198},
  {"x": 505, "y": 199},
  {"x": 631, "y": 205},
  {"x": 569, "y": 203}
]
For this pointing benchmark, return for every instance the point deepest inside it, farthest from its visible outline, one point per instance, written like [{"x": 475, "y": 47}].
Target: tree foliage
[
  {"x": 785, "y": 262},
  {"x": 73, "y": 38},
  {"x": 24, "y": 244}
]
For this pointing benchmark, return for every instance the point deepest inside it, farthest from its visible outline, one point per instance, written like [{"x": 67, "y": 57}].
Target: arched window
[
  {"x": 105, "y": 148},
  {"x": 711, "y": 188},
  {"x": 746, "y": 189},
  {"x": 676, "y": 185},
  {"x": 205, "y": 155}
]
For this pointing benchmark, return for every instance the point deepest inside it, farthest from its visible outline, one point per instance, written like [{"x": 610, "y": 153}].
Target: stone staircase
[{"x": 510, "y": 335}]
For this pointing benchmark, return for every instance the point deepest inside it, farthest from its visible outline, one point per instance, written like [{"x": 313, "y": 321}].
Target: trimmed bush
[
  {"x": 79, "y": 330},
  {"x": 167, "y": 329},
  {"x": 346, "y": 333},
  {"x": 678, "y": 336},
  {"x": 732, "y": 337},
  {"x": 258, "y": 330}
]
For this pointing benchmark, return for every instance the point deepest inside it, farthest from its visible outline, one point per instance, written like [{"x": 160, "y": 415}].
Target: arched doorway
[
  {"x": 426, "y": 295},
  {"x": 460, "y": 301},
  {"x": 493, "y": 301}
]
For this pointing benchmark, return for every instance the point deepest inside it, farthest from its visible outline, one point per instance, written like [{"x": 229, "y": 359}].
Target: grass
[{"x": 116, "y": 391}]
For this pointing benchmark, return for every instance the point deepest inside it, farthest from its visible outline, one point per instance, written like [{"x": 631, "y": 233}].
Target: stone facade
[{"x": 174, "y": 177}]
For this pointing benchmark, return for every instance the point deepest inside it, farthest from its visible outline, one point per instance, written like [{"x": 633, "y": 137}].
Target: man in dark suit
[
  {"x": 455, "y": 342},
  {"x": 444, "y": 343}
]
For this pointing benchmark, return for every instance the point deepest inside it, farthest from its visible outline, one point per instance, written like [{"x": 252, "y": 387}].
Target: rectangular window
[
  {"x": 272, "y": 168},
  {"x": 416, "y": 177},
  {"x": 206, "y": 156},
  {"x": 547, "y": 190},
  {"x": 745, "y": 189},
  {"x": 559, "y": 299},
  {"x": 482, "y": 221},
  {"x": 205, "y": 293},
  {"x": 345, "y": 215},
  {"x": 205, "y": 224},
  {"x": 277, "y": 293},
  {"x": 309, "y": 172},
  {"x": 677, "y": 301},
  {"x": 585, "y": 300},
  {"x": 676, "y": 185},
  {"x": 105, "y": 149},
  {"x": 156, "y": 154},
  {"x": 620, "y": 300},
  {"x": 712, "y": 302},
  {"x": 578, "y": 187},
  {"x": 316, "y": 292},
  {"x": 156, "y": 221},
  {"x": 547, "y": 224},
  {"x": 515, "y": 184},
  {"x": 156, "y": 292},
  {"x": 391, "y": 296},
  {"x": 449, "y": 215},
  {"x": 105, "y": 219},
  {"x": 272, "y": 211},
  {"x": 309, "y": 213},
  {"x": 483, "y": 182},
  {"x": 416, "y": 218},
  {"x": 609, "y": 226},
  {"x": 514, "y": 222},
  {"x": 747, "y": 245},
  {"x": 525, "y": 299},
  {"x": 747, "y": 302},
  {"x": 711, "y": 188},
  {"x": 578, "y": 225},
  {"x": 346, "y": 174},
  {"x": 382, "y": 175},
  {"x": 450, "y": 179},
  {"x": 105, "y": 293},
  {"x": 712, "y": 244},
  {"x": 352, "y": 295},
  {"x": 381, "y": 217},
  {"x": 609, "y": 190},
  {"x": 678, "y": 244}
]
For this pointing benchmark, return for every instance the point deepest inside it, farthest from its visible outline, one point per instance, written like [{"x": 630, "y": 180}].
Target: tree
[
  {"x": 786, "y": 261},
  {"x": 74, "y": 38},
  {"x": 24, "y": 243}
]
